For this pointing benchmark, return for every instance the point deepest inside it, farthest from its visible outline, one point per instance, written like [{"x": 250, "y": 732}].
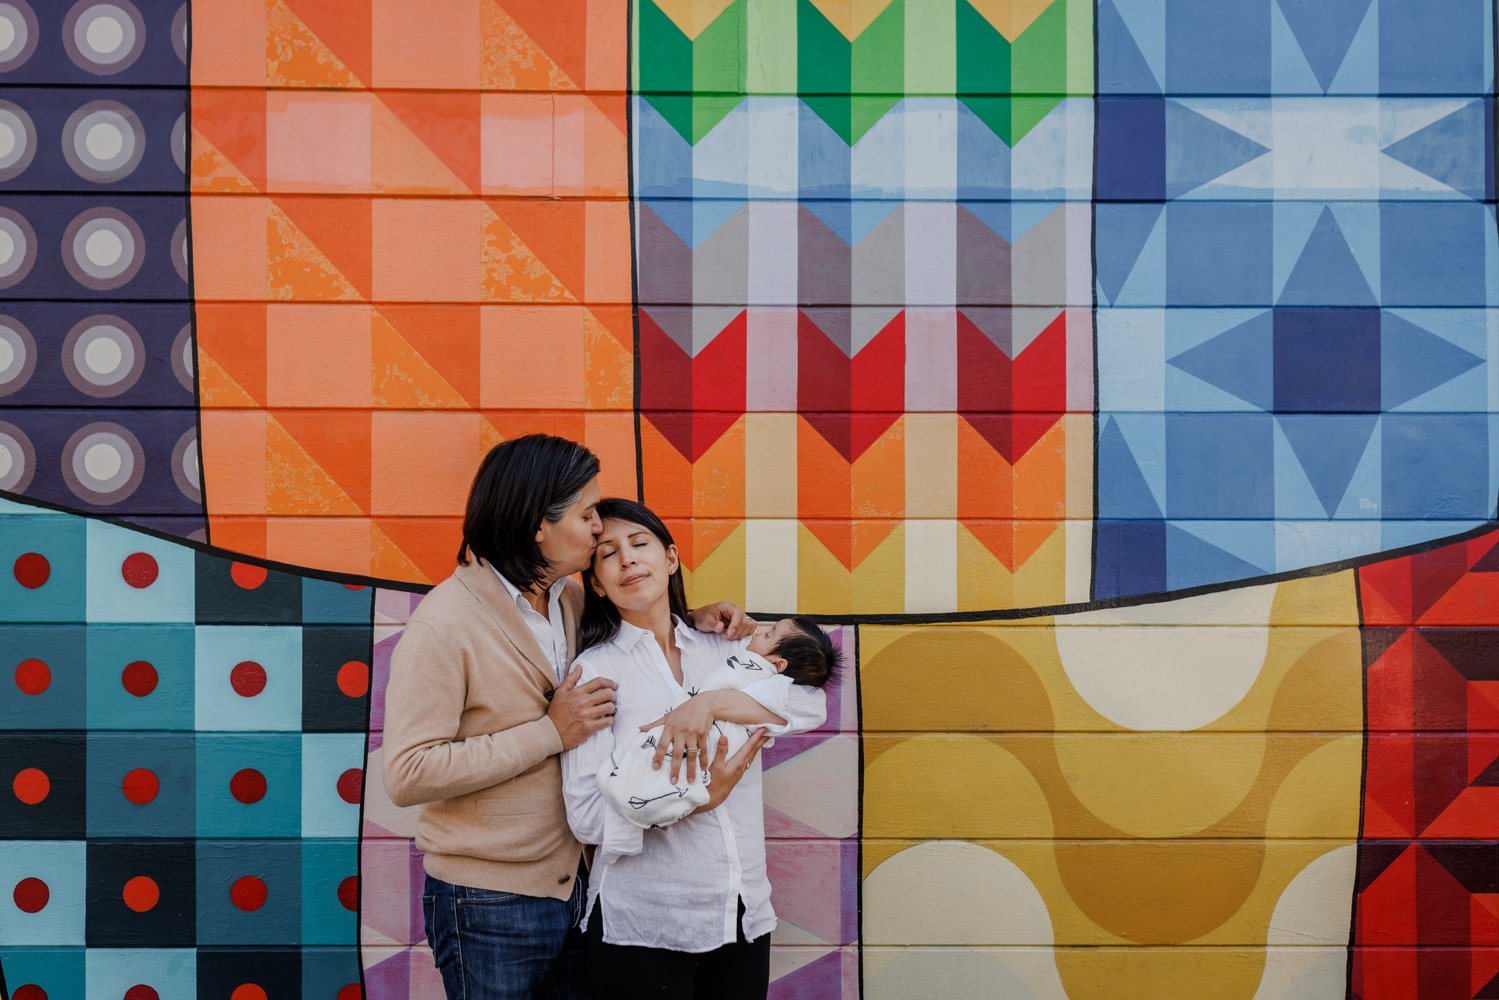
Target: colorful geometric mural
[
  {"x": 407, "y": 229},
  {"x": 182, "y": 765},
  {"x": 1296, "y": 257},
  {"x": 1425, "y": 915},
  {"x": 1121, "y": 366},
  {"x": 1164, "y": 796},
  {"x": 862, "y": 238},
  {"x": 97, "y": 395}
]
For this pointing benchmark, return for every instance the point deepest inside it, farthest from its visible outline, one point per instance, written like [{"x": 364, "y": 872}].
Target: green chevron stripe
[{"x": 941, "y": 48}]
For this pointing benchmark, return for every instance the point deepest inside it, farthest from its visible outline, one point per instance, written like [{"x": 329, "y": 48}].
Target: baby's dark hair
[{"x": 811, "y": 658}]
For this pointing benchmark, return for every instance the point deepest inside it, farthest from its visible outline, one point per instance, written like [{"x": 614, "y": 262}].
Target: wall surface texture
[{"x": 1112, "y": 376}]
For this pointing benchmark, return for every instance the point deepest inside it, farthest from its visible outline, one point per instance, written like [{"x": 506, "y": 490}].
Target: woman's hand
[
  {"x": 725, "y": 771},
  {"x": 725, "y": 618},
  {"x": 579, "y": 711},
  {"x": 685, "y": 733}
]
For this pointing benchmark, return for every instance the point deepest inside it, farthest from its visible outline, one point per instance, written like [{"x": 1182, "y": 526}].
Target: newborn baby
[{"x": 796, "y": 649}]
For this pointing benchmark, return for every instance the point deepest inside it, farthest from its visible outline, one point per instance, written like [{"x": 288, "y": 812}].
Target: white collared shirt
[
  {"x": 682, "y": 890},
  {"x": 549, "y": 629}
]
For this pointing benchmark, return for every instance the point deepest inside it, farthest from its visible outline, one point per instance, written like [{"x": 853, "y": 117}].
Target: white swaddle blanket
[{"x": 647, "y": 797}]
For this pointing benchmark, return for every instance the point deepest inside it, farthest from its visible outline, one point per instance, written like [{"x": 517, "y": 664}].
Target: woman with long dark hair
[{"x": 681, "y": 911}]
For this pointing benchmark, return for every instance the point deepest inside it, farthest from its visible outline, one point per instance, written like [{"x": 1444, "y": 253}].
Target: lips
[{"x": 633, "y": 579}]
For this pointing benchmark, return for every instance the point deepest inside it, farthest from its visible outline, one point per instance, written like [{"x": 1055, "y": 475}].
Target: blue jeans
[{"x": 504, "y": 946}]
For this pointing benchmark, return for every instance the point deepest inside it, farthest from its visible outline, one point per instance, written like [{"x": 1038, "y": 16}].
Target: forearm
[
  {"x": 425, "y": 758},
  {"x": 425, "y": 770},
  {"x": 736, "y": 706}
]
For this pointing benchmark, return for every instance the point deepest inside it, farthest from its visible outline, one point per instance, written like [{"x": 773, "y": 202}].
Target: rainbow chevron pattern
[{"x": 858, "y": 274}]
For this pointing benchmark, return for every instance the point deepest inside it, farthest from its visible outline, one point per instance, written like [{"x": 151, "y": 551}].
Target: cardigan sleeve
[{"x": 424, "y": 759}]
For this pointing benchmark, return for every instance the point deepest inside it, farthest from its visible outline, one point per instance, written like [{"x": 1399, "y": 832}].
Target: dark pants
[
  {"x": 738, "y": 971},
  {"x": 505, "y": 946}
]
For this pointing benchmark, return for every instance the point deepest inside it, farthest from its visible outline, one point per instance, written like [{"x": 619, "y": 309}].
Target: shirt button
[{"x": 563, "y": 880}]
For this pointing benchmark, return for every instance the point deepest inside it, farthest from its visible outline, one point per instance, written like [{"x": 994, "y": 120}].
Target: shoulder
[
  {"x": 709, "y": 645},
  {"x": 448, "y": 600}
]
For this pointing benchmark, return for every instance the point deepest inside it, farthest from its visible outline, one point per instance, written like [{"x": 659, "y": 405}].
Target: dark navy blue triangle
[
  {"x": 1194, "y": 562},
  {"x": 1201, "y": 150},
  {"x": 1239, "y": 361},
  {"x": 1329, "y": 448},
  {"x": 1123, "y": 232},
  {"x": 1123, "y": 491},
  {"x": 1122, "y": 67},
  {"x": 1450, "y": 149},
  {"x": 1325, "y": 30},
  {"x": 677, "y": 216},
  {"x": 1326, "y": 273},
  {"x": 837, "y": 215},
  {"x": 1414, "y": 361}
]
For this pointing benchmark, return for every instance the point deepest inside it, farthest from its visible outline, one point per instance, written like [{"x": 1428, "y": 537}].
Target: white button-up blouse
[{"x": 681, "y": 891}]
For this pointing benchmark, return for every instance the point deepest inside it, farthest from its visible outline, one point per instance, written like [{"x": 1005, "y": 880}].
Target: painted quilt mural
[{"x": 1111, "y": 375}]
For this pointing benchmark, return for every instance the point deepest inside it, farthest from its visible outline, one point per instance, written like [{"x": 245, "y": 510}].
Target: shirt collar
[
  {"x": 519, "y": 598},
  {"x": 628, "y": 635}
]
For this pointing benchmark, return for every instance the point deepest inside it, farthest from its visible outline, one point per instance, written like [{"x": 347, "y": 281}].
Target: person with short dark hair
[{"x": 479, "y": 706}]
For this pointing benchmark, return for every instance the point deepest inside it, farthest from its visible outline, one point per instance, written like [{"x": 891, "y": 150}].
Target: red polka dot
[
  {"x": 246, "y": 576},
  {"x": 141, "y": 991},
  {"x": 350, "y": 992},
  {"x": 247, "y": 991},
  {"x": 247, "y": 679},
  {"x": 354, "y": 586},
  {"x": 248, "y": 893},
  {"x": 351, "y": 786},
  {"x": 32, "y": 570},
  {"x": 348, "y": 893},
  {"x": 141, "y": 894},
  {"x": 354, "y": 679},
  {"x": 31, "y": 785},
  {"x": 141, "y": 785},
  {"x": 247, "y": 786},
  {"x": 31, "y": 895},
  {"x": 139, "y": 678},
  {"x": 33, "y": 677},
  {"x": 28, "y": 991},
  {"x": 140, "y": 570}
]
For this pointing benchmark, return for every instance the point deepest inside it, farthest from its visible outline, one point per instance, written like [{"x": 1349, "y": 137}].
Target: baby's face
[{"x": 769, "y": 635}]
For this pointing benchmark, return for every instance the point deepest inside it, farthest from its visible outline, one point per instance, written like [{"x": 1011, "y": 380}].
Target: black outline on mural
[
  {"x": 1363, "y": 779},
  {"x": 1093, "y": 314},
  {"x": 851, "y": 667},
  {"x": 192, "y": 287},
  {"x": 634, "y": 247},
  {"x": 364, "y": 779},
  {"x": 915, "y": 618}
]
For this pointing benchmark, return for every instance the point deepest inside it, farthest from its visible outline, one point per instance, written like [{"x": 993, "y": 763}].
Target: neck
[
  {"x": 655, "y": 620},
  {"x": 537, "y": 595}
]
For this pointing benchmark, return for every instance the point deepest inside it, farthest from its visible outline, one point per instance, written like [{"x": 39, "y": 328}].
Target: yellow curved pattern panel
[{"x": 1166, "y": 807}]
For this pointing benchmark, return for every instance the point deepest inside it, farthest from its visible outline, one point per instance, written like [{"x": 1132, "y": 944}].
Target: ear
[
  {"x": 672, "y": 560},
  {"x": 540, "y": 533},
  {"x": 598, "y": 588},
  {"x": 779, "y": 662}
]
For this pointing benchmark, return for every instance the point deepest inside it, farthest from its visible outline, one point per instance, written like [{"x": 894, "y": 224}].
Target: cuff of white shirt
[
  {"x": 621, "y": 837},
  {"x": 773, "y": 695}
]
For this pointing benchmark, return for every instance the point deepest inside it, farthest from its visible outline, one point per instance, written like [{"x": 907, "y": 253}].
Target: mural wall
[{"x": 1111, "y": 375}]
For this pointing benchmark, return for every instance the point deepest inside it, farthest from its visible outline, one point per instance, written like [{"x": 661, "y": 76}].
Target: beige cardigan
[{"x": 467, "y": 736}]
